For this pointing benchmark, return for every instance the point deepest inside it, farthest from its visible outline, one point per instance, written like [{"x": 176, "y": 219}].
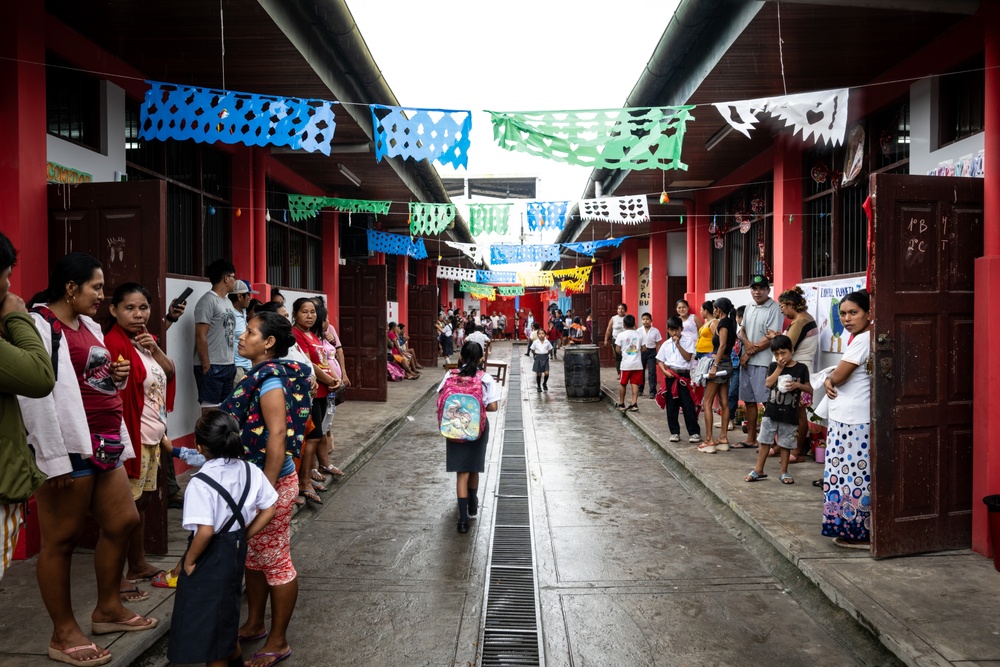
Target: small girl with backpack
[
  {"x": 206, "y": 617},
  {"x": 465, "y": 395}
]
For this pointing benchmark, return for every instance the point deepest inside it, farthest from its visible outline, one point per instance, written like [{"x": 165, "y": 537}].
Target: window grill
[
  {"x": 294, "y": 249},
  {"x": 739, "y": 258},
  {"x": 617, "y": 266},
  {"x": 72, "y": 104},
  {"x": 962, "y": 101},
  {"x": 390, "y": 277}
]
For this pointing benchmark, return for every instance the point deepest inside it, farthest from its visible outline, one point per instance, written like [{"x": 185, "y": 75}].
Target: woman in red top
[{"x": 304, "y": 316}]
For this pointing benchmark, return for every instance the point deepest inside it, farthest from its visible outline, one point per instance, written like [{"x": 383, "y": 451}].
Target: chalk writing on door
[{"x": 916, "y": 240}]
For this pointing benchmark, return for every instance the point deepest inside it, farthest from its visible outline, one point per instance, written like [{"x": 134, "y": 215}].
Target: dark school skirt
[
  {"x": 206, "y": 616},
  {"x": 541, "y": 364},
  {"x": 467, "y": 455}
]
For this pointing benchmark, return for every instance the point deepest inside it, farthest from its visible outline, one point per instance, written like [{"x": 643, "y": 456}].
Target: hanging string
[
  {"x": 222, "y": 34},
  {"x": 781, "y": 52}
]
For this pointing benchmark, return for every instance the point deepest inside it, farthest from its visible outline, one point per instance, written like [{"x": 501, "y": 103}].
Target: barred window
[
  {"x": 72, "y": 104},
  {"x": 835, "y": 227},
  {"x": 391, "y": 293},
  {"x": 198, "y": 201},
  {"x": 294, "y": 249},
  {"x": 743, "y": 222},
  {"x": 962, "y": 101}
]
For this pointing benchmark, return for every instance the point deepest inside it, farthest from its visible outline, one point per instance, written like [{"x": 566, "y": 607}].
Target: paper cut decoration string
[
  {"x": 455, "y": 273},
  {"x": 303, "y": 206},
  {"x": 489, "y": 218},
  {"x": 170, "y": 111},
  {"x": 823, "y": 113},
  {"x": 535, "y": 278},
  {"x": 506, "y": 253},
  {"x": 547, "y": 215},
  {"x": 626, "y": 210},
  {"x": 496, "y": 277},
  {"x": 630, "y": 138},
  {"x": 591, "y": 247},
  {"x": 574, "y": 280},
  {"x": 430, "y": 218},
  {"x": 432, "y": 134},
  {"x": 478, "y": 291},
  {"x": 510, "y": 291},
  {"x": 475, "y": 251},
  {"x": 396, "y": 244}
]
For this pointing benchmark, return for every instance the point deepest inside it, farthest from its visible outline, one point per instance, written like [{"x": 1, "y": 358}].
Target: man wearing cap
[
  {"x": 760, "y": 316},
  {"x": 240, "y": 296}
]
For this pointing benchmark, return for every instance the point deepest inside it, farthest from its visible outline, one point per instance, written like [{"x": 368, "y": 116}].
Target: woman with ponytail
[
  {"x": 271, "y": 405},
  {"x": 226, "y": 503}
]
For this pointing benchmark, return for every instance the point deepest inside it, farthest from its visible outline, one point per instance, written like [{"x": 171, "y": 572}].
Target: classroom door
[
  {"x": 926, "y": 233},
  {"x": 604, "y": 300},
  {"x": 420, "y": 328},
  {"x": 363, "y": 330}
]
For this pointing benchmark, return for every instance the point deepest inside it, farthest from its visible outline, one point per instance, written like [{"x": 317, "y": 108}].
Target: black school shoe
[{"x": 463, "y": 527}]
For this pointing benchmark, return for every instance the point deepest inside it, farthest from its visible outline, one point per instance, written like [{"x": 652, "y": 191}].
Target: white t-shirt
[
  {"x": 650, "y": 338},
  {"x": 670, "y": 355},
  {"x": 617, "y": 326},
  {"x": 541, "y": 347},
  {"x": 153, "y": 421},
  {"x": 491, "y": 390},
  {"x": 690, "y": 326},
  {"x": 203, "y": 506},
  {"x": 853, "y": 402},
  {"x": 480, "y": 338},
  {"x": 630, "y": 342}
]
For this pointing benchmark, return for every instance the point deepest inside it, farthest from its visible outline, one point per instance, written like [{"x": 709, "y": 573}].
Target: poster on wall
[
  {"x": 823, "y": 301},
  {"x": 392, "y": 311},
  {"x": 645, "y": 284}
]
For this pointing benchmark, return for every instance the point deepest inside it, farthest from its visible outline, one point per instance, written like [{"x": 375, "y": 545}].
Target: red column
[
  {"x": 659, "y": 307},
  {"x": 608, "y": 273},
  {"x": 787, "y": 233},
  {"x": 986, "y": 381},
  {"x": 258, "y": 218},
  {"x": 698, "y": 270},
  {"x": 241, "y": 216},
  {"x": 24, "y": 214},
  {"x": 444, "y": 293},
  {"x": 402, "y": 293},
  {"x": 331, "y": 264},
  {"x": 630, "y": 276},
  {"x": 422, "y": 267}
]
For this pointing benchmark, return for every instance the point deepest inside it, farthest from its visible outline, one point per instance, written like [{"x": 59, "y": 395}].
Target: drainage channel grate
[{"x": 510, "y": 626}]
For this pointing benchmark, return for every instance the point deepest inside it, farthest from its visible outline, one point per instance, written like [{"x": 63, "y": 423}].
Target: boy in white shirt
[
  {"x": 629, "y": 345},
  {"x": 541, "y": 348},
  {"x": 675, "y": 358},
  {"x": 651, "y": 338}
]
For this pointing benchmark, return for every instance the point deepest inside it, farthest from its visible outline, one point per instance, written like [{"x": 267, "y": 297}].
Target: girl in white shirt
[
  {"x": 225, "y": 504},
  {"x": 541, "y": 348}
]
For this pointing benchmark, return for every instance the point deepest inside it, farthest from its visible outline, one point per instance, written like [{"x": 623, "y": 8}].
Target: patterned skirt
[{"x": 847, "y": 482}]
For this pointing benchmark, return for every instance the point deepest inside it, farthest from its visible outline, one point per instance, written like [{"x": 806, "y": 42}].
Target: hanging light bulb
[
  {"x": 239, "y": 212},
  {"x": 593, "y": 260},
  {"x": 211, "y": 210},
  {"x": 267, "y": 215}
]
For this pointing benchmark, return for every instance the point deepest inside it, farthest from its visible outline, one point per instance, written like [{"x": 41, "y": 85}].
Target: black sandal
[{"x": 818, "y": 483}]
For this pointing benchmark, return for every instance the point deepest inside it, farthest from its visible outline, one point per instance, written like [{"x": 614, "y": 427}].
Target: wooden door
[
  {"x": 124, "y": 226},
  {"x": 676, "y": 286},
  {"x": 604, "y": 300},
  {"x": 121, "y": 224},
  {"x": 422, "y": 315},
  {"x": 926, "y": 233},
  {"x": 363, "y": 330},
  {"x": 579, "y": 305}
]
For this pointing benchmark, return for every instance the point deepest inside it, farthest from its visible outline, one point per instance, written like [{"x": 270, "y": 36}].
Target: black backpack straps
[{"x": 236, "y": 508}]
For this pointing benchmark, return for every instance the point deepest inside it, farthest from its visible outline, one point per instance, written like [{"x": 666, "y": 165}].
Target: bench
[{"x": 501, "y": 371}]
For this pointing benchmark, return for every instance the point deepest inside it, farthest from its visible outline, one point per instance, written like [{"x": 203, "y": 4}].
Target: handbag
[
  {"x": 107, "y": 451},
  {"x": 340, "y": 395},
  {"x": 19, "y": 474}
]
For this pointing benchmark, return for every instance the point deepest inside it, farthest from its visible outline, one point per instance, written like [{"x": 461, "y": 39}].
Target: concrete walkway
[
  {"x": 359, "y": 428},
  {"x": 936, "y": 609}
]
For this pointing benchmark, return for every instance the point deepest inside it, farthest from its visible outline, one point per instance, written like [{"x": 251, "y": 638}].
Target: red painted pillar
[
  {"x": 241, "y": 217},
  {"x": 24, "y": 214},
  {"x": 259, "y": 217},
  {"x": 698, "y": 270},
  {"x": 630, "y": 276},
  {"x": 608, "y": 273},
  {"x": 444, "y": 293},
  {"x": 986, "y": 381},
  {"x": 422, "y": 267},
  {"x": 331, "y": 264},
  {"x": 659, "y": 307},
  {"x": 378, "y": 259},
  {"x": 787, "y": 232},
  {"x": 402, "y": 293}
]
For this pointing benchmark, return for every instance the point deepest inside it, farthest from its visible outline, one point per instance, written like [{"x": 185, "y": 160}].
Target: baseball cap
[
  {"x": 243, "y": 287},
  {"x": 759, "y": 281}
]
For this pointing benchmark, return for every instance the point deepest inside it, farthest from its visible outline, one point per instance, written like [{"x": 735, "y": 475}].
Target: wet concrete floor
[{"x": 632, "y": 567}]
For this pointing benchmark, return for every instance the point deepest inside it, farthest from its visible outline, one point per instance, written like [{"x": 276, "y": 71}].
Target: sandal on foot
[
  {"x": 311, "y": 496},
  {"x": 250, "y": 638},
  {"x": 316, "y": 476},
  {"x": 133, "y": 594},
  {"x": 331, "y": 470},
  {"x": 851, "y": 544},
  {"x": 318, "y": 486},
  {"x": 741, "y": 445},
  {"x": 144, "y": 578},
  {"x": 122, "y": 626},
  {"x": 165, "y": 580},
  {"x": 722, "y": 445},
  {"x": 278, "y": 657},
  {"x": 60, "y": 655},
  {"x": 818, "y": 483},
  {"x": 707, "y": 447},
  {"x": 755, "y": 476},
  {"x": 786, "y": 479},
  {"x": 796, "y": 458}
]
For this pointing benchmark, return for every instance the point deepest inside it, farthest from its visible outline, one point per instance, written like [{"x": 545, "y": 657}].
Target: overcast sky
[{"x": 513, "y": 55}]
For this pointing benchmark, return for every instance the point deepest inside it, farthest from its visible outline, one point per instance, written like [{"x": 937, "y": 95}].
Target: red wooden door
[
  {"x": 423, "y": 313},
  {"x": 363, "y": 330},
  {"x": 926, "y": 232},
  {"x": 580, "y": 304},
  {"x": 124, "y": 226},
  {"x": 605, "y": 300}
]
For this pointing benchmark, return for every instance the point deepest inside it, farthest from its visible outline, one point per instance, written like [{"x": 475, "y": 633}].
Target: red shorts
[{"x": 631, "y": 377}]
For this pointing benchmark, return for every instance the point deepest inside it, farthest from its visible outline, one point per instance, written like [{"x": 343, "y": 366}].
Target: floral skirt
[{"x": 847, "y": 482}]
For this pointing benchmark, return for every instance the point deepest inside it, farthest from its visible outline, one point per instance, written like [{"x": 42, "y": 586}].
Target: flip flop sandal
[
  {"x": 316, "y": 476},
  {"x": 755, "y": 476},
  {"x": 60, "y": 655},
  {"x": 278, "y": 657},
  {"x": 148, "y": 577},
  {"x": 818, "y": 483},
  {"x": 250, "y": 638},
  {"x": 786, "y": 479},
  {"x": 848, "y": 544},
  {"x": 122, "y": 626},
  {"x": 741, "y": 445},
  {"x": 133, "y": 594},
  {"x": 311, "y": 496},
  {"x": 318, "y": 486},
  {"x": 331, "y": 470},
  {"x": 165, "y": 580}
]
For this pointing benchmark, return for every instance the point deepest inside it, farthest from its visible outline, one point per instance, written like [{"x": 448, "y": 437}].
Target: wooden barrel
[{"x": 582, "y": 366}]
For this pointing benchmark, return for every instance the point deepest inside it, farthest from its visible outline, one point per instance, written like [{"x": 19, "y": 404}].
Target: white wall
[
  {"x": 925, "y": 154},
  {"x": 101, "y": 165},
  {"x": 180, "y": 348},
  {"x": 677, "y": 256}
]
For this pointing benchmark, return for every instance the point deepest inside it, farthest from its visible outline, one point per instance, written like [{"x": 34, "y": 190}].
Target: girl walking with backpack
[
  {"x": 465, "y": 395},
  {"x": 206, "y": 618}
]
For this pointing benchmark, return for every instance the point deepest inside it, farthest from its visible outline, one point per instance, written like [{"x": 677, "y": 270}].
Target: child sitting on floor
[{"x": 786, "y": 380}]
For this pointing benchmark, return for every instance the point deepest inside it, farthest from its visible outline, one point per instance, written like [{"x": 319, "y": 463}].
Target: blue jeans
[{"x": 734, "y": 393}]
